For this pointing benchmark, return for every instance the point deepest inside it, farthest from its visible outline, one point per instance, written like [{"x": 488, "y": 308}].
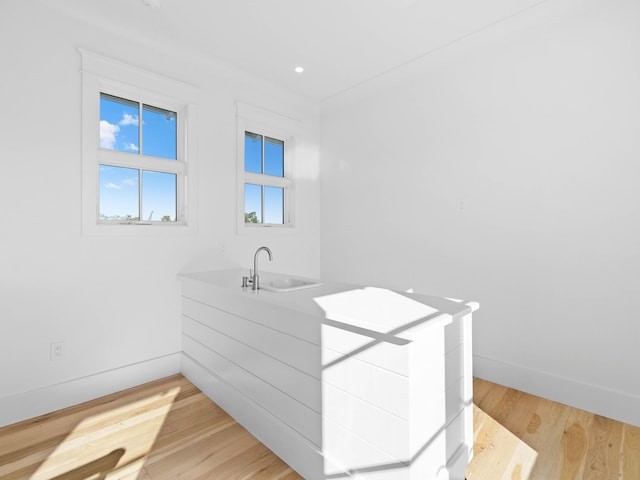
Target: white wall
[
  {"x": 506, "y": 173},
  {"x": 114, "y": 301},
  {"x": 535, "y": 136}
]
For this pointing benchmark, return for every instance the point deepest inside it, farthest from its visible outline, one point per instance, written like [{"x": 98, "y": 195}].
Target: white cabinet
[{"x": 332, "y": 394}]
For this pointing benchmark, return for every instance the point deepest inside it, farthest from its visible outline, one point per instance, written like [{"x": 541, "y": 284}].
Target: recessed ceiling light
[{"x": 299, "y": 69}]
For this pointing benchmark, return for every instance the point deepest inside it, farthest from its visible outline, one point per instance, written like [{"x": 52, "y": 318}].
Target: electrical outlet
[{"x": 57, "y": 351}]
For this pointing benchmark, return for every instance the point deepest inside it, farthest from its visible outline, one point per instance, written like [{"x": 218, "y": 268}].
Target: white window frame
[
  {"x": 104, "y": 75},
  {"x": 273, "y": 125}
]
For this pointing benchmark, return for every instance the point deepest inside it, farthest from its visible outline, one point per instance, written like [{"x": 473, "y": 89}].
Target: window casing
[
  {"x": 266, "y": 161},
  {"x": 138, "y": 172}
]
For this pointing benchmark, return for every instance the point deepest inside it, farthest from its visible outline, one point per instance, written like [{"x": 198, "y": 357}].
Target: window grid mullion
[
  {"x": 262, "y": 154},
  {"x": 140, "y": 195},
  {"x": 268, "y": 180},
  {"x": 262, "y": 204},
  {"x": 262, "y": 185},
  {"x": 132, "y": 160},
  {"x": 140, "y": 139}
]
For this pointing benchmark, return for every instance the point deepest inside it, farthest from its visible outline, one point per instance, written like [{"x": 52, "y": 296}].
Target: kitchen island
[{"x": 340, "y": 381}]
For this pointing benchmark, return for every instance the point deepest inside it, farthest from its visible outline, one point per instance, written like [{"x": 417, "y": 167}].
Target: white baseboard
[
  {"x": 614, "y": 404},
  {"x": 606, "y": 402},
  {"x": 25, "y": 405}
]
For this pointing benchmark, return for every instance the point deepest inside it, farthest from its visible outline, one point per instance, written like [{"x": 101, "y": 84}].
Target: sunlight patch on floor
[
  {"x": 498, "y": 453},
  {"x": 106, "y": 452}
]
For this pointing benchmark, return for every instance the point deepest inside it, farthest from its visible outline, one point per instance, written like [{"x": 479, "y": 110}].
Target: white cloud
[
  {"x": 131, "y": 146},
  {"x": 108, "y": 133},
  {"x": 128, "y": 120},
  {"x": 130, "y": 182},
  {"x": 113, "y": 185}
]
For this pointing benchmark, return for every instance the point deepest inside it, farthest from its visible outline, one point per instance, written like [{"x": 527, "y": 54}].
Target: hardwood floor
[
  {"x": 498, "y": 453},
  {"x": 571, "y": 444},
  {"x": 163, "y": 430},
  {"x": 169, "y": 429}
]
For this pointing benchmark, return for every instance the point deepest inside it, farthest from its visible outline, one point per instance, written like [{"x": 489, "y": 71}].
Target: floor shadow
[{"x": 101, "y": 467}]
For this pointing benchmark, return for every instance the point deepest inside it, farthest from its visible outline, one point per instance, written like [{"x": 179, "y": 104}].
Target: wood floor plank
[
  {"x": 291, "y": 476},
  {"x": 570, "y": 464},
  {"x": 614, "y": 452},
  {"x": 480, "y": 389},
  {"x": 203, "y": 456},
  {"x": 498, "y": 453},
  {"x": 492, "y": 399},
  {"x": 571, "y": 444},
  {"x": 522, "y": 417},
  {"x": 544, "y": 434},
  {"x": 502, "y": 410},
  {"x": 598, "y": 466},
  {"x": 134, "y": 470},
  {"x": 256, "y": 463},
  {"x": 189, "y": 425},
  {"x": 631, "y": 452}
]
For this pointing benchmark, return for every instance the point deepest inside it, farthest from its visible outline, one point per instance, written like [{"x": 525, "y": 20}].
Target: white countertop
[{"x": 386, "y": 314}]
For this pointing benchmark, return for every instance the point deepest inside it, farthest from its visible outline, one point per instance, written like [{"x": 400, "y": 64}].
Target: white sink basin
[{"x": 287, "y": 284}]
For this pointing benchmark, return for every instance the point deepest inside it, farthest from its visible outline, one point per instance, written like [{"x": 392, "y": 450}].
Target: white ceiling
[{"x": 341, "y": 43}]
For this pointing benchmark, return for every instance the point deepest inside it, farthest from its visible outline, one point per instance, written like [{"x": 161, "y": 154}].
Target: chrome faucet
[{"x": 255, "y": 280}]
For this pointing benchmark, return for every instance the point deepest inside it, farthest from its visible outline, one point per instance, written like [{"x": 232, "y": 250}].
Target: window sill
[
  {"x": 253, "y": 229},
  {"x": 142, "y": 229}
]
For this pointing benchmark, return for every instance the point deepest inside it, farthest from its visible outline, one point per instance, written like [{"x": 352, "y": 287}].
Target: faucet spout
[{"x": 256, "y": 277}]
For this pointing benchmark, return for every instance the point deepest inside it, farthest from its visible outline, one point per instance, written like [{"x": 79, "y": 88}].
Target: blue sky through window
[
  {"x": 253, "y": 200},
  {"x": 252, "y": 152},
  {"x": 121, "y": 129},
  {"x": 119, "y": 193},
  {"x": 274, "y": 203},
  {"x": 159, "y": 132},
  {"x": 119, "y": 120},
  {"x": 159, "y": 195},
  {"x": 274, "y": 157}
]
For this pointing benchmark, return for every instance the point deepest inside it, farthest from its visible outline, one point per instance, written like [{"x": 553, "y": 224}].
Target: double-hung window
[
  {"x": 137, "y": 168},
  {"x": 141, "y": 175},
  {"x": 265, "y": 167},
  {"x": 265, "y": 185}
]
